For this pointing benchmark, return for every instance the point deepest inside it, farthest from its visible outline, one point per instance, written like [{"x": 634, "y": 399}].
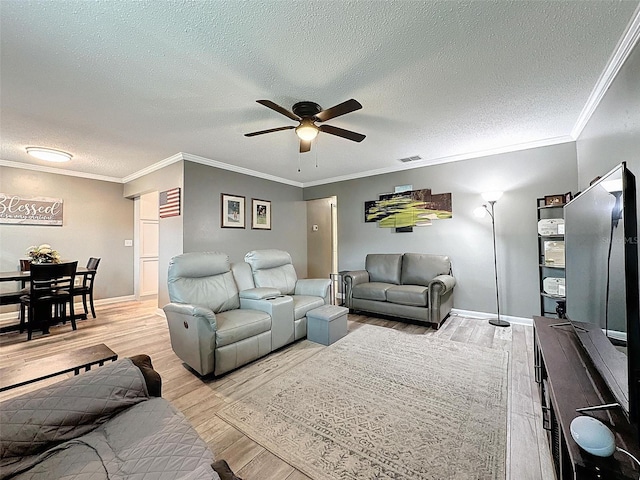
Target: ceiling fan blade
[
  {"x": 305, "y": 146},
  {"x": 337, "y": 110},
  {"x": 341, "y": 132},
  {"x": 253, "y": 134},
  {"x": 279, "y": 109}
]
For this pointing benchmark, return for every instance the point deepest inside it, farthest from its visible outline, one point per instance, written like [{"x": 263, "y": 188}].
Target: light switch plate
[{"x": 128, "y": 243}]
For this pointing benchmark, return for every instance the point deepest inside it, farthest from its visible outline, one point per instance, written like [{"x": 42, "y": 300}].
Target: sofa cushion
[
  {"x": 384, "y": 268},
  {"x": 372, "y": 291},
  {"x": 149, "y": 441},
  {"x": 236, "y": 325},
  {"x": 415, "y": 295},
  {"x": 35, "y": 421},
  {"x": 421, "y": 268},
  {"x": 303, "y": 303}
]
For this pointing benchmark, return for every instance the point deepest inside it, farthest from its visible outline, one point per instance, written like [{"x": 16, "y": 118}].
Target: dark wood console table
[{"x": 568, "y": 380}]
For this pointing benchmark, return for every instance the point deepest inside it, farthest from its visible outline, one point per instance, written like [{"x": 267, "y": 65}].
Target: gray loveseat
[
  {"x": 108, "y": 423},
  {"x": 223, "y": 315},
  {"x": 412, "y": 285}
]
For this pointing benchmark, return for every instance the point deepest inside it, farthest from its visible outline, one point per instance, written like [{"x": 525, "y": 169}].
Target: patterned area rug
[{"x": 381, "y": 404}]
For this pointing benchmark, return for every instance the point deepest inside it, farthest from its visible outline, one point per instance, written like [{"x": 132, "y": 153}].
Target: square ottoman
[{"x": 327, "y": 324}]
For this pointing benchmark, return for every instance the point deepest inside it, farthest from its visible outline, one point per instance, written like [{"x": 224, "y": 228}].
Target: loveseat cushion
[
  {"x": 272, "y": 268},
  {"x": 203, "y": 278},
  {"x": 236, "y": 325},
  {"x": 372, "y": 291},
  {"x": 421, "y": 268},
  {"x": 384, "y": 267},
  {"x": 414, "y": 295},
  {"x": 283, "y": 278},
  {"x": 304, "y": 303}
]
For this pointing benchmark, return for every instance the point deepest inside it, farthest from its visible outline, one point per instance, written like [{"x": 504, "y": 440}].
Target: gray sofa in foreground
[
  {"x": 108, "y": 423},
  {"x": 415, "y": 286}
]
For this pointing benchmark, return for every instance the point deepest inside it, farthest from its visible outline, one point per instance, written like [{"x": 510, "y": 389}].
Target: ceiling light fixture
[
  {"x": 49, "y": 154},
  {"x": 307, "y": 130}
]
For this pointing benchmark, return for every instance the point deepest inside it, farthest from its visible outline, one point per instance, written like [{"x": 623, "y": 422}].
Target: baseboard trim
[
  {"x": 160, "y": 313},
  {"x": 77, "y": 306},
  {"x": 487, "y": 316}
]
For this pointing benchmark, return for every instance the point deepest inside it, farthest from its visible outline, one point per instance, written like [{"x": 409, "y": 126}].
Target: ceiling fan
[{"x": 308, "y": 113}]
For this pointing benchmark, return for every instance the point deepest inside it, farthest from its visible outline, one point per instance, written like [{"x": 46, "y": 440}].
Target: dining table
[{"x": 23, "y": 277}]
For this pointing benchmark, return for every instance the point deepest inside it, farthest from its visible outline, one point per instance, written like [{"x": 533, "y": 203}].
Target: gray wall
[
  {"x": 613, "y": 132},
  {"x": 96, "y": 222},
  {"x": 171, "y": 228},
  {"x": 612, "y": 135},
  {"x": 202, "y": 232},
  {"x": 523, "y": 176}
]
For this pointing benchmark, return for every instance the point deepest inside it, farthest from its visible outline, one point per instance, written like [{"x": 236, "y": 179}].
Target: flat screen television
[{"x": 602, "y": 295}]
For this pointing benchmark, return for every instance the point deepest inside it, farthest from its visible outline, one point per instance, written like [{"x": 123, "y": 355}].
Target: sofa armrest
[
  {"x": 151, "y": 377},
  {"x": 356, "y": 277},
  {"x": 258, "y": 294},
  {"x": 442, "y": 284},
  {"x": 174, "y": 312},
  {"x": 351, "y": 279},
  {"x": 317, "y": 287}
]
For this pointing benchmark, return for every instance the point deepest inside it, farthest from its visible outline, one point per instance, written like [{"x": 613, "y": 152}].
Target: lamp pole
[{"x": 495, "y": 321}]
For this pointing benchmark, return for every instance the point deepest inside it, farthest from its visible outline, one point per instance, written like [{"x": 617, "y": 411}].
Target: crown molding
[
  {"x": 453, "y": 158},
  {"x": 153, "y": 167},
  {"x": 234, "y": 168},
  {"x": 620, "y": 54},
  {"x": 58, "y": 171},
  {"x": 253, "y": 173}
]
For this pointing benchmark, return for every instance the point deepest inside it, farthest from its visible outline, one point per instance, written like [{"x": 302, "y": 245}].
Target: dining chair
[
  {"x": 51, "y": 288},
  {"x": 13, "y": 298},
  {"x": 86, "y": 289}
]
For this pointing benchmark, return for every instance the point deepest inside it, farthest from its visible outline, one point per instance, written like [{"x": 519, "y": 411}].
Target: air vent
[{"x": 411, "y": 159}]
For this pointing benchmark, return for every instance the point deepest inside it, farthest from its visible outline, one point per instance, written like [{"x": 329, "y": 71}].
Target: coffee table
[{"x": 66, "y": 362}]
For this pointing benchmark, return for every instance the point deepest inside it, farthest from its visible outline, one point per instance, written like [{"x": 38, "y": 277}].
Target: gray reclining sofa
[
  {"x": 108, "y": 423},
  {"x": 412, "y": 285},
  {"x": 223, "y": 315}
]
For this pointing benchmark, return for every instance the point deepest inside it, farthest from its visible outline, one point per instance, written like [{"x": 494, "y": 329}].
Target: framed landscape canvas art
[
  {"x": 260, "y": 214},
  {"x": 232, "y": 211}
]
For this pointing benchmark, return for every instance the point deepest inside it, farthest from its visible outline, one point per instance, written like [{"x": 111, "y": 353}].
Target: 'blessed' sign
[{"x": 30, "y": 210}]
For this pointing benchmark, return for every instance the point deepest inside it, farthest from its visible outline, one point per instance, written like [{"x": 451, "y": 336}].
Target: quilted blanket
[{"x": 99, "y": 425}]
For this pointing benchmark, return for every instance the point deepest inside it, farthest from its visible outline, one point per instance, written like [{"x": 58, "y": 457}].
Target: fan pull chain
[{"x": 299, "y": 155}]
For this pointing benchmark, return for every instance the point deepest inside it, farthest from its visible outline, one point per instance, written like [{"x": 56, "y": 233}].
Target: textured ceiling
[{"x": 123, "y": 85}]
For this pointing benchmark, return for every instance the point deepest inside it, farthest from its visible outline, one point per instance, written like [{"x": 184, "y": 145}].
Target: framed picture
[
  {"x": 568, "y": 197},
  {"x": 260, "y": 214},
  {"x": 554, "y": 200},
  {"x": 232, "y": 215}
]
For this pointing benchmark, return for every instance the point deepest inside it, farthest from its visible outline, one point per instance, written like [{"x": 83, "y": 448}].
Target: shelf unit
[{"x": 550, "y": 305}]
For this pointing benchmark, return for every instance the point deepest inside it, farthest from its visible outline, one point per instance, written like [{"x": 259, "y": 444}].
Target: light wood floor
[{"x": 133, "y": 327}]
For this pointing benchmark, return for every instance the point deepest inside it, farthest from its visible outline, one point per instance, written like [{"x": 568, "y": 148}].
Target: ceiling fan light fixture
[
  {"x": 306, "y": 131},
  {"x": 49, "y": 154}
]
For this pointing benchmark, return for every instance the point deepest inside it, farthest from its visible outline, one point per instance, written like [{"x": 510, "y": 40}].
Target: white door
[{"x": 148, "y": 240}]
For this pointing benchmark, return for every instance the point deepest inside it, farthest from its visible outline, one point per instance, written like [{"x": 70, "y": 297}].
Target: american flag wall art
[{"x": 170, "y": 203}]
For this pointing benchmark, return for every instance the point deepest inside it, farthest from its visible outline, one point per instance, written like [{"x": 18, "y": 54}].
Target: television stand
[{"x": 567, "y": 381}]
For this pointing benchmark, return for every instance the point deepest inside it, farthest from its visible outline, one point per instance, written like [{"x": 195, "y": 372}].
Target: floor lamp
[{"x": 491, "y": 198}]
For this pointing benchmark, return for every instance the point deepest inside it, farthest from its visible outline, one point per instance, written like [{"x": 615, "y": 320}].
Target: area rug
[{"x": 381, "y": 404}]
